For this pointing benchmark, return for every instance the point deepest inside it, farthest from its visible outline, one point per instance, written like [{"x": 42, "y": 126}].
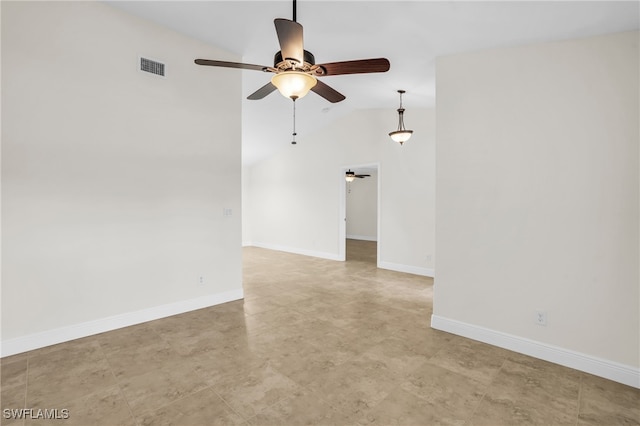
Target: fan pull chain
[{"x": 293, "y": 142}]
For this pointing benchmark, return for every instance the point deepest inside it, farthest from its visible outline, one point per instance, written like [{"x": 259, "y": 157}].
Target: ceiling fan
[
  {"x": 350, "y": 176},
  {"x": 295, "y": 69}
]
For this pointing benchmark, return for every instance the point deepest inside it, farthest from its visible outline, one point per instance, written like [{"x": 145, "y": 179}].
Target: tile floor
[{"x": 315, "y": 342}]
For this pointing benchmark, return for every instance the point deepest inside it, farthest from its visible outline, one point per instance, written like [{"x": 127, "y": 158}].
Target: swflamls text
[{"x": 36, "y": 413}]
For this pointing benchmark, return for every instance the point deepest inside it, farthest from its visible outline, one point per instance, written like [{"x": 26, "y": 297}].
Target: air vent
[{"x": 151, "y": 66}]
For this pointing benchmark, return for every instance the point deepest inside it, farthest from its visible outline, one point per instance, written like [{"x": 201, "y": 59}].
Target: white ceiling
[{"x": 411, "y": 34}]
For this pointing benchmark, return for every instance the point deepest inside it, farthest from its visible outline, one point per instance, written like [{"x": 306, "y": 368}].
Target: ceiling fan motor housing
[{"x": 281, "y": 64}]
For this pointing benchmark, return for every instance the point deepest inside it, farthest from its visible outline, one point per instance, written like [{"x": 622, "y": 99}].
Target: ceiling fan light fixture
[
  {"x": 401, "y": 135},
  {"x": 294, "y": 84},
  {"x": 350, "y": 176}
]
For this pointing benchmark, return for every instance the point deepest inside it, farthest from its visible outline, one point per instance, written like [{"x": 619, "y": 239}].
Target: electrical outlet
[
  {"x": 541, "y": 317},
  {"x": 201, "y": 280}
]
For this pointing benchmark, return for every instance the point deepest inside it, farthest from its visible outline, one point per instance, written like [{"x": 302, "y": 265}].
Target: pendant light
[{"x": 401, "y": 135}]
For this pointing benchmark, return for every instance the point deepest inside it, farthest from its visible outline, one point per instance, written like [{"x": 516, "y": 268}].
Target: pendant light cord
[{"x": 401, "y": 113}]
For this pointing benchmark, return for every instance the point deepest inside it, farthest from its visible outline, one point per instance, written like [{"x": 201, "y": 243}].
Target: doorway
[{"x": 359, "y": 213}]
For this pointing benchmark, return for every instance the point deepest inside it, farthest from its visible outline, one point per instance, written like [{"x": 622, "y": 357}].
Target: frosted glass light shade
[
  {"x": 293, "y": 84},
  {"x": 401, "y": 136}
]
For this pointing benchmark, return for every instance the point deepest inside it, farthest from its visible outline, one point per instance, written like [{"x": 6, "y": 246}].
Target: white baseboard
[
  {"x": 77, "y": 331},
  {"x": 361, "y": 237},
  {"x": 611, "y": 370},
  {"x": 409, "y": 269},
  {"x": 294, "y": 250}
]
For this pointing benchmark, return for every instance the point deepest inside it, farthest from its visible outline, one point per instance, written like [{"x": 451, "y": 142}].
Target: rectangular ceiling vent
[{"x": 151, "y": 66}]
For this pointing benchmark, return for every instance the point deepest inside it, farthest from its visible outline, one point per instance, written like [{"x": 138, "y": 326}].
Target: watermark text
[{"x": 36, "y": 413}]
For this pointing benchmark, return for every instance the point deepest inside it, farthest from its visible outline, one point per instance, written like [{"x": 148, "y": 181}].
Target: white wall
[
  {"x": 295, "y": 195},
  {"x": 114, "y": 181},
  {"x": 362, "y": 207},
  {"x": 246, "y": 207},
  {"x": 537, "y": 204}
]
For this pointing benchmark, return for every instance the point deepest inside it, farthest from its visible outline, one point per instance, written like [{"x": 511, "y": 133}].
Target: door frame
[{"x": 342, "y": 213}]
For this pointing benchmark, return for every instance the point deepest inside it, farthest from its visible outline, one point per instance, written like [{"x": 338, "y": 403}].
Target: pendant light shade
[
  {"x": 401, "y": 135},
  {"x": 293, "y": 84}
]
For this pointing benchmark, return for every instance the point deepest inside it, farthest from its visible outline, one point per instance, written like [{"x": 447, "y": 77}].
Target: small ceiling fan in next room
[
  {"x": 295, "y": 69},
  {"x": 351, "y": 176}
]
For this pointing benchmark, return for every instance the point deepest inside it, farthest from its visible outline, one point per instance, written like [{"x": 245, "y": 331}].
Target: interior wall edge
[
  {"x": 76, "y": 331},
  {"x": 362, "y": 237},
  {"x": 295, "y": 250},
  {"x": 611, "y": 370},
  {"x": 409, "y": 269}
]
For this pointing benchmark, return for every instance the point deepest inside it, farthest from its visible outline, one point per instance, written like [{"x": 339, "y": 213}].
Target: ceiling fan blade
[
  {"x": 290, "y": 38},
  {"x": 225, "y": 64},
  {"x": 262, "y": 92},
  {"x": 361, "y": 66},
  {"x": 362, "y": 176},
  {"x": 328, "y": 92}
]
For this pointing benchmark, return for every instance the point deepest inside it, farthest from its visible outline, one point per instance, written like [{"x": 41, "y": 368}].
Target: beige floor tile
[
  {"x": 451, "y": 396},
  {"x": 222, "y": 370},
  {"x": 64, "y": 353},
  {"x": 603, "y": 402},
  {"x": 313, "y": 329},
  {"x": 531, "y": 393},
  {"x": 133, "y": 361},
  {"x": 224, "y": 317},
  {"x": 278, "y": 316},
  {"x": 66, "y": 374},
  {"x": 355, "y": 386},
  {"x": 128, "y": 338},
  {"x": 304, "y": 409},
  {"x": 12, "y": 398},
  {"x": 70, "y": 347},
  {"x": 13, "y": 358},
  {"x": 344, "y": 344},
  {"x": 476, "y": 360},
  {"x": 183, "y": 325},
  {"x": 397, "y": 356},
  {"x": 304, "y": 364},
  {"x": 537, "y": 384},
  {"x": 234, "y": 342},
  {"x": 513, "y": 412},
  {"x": 426, "y": 342},
  {"x": 316, "y": 306},
  {"x": 255, "y": 291},
  {"x": 259, "y": 305},
  {"x": 201, "y": 408},
  {"x": 13, "y": 372},
  {"x": 152, "y": 390},
  {"x": 105, "y": 407},
  {"x": 314, "y": 342},
  {"x": 194, "y": 343},
  {"x": 283, "y": 339},
  {"x": 402, "y": 408},
  {"x": 256, "y": 389}
]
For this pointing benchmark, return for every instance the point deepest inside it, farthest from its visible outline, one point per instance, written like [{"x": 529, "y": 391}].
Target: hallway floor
[{"x": 314, "y": 342}]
